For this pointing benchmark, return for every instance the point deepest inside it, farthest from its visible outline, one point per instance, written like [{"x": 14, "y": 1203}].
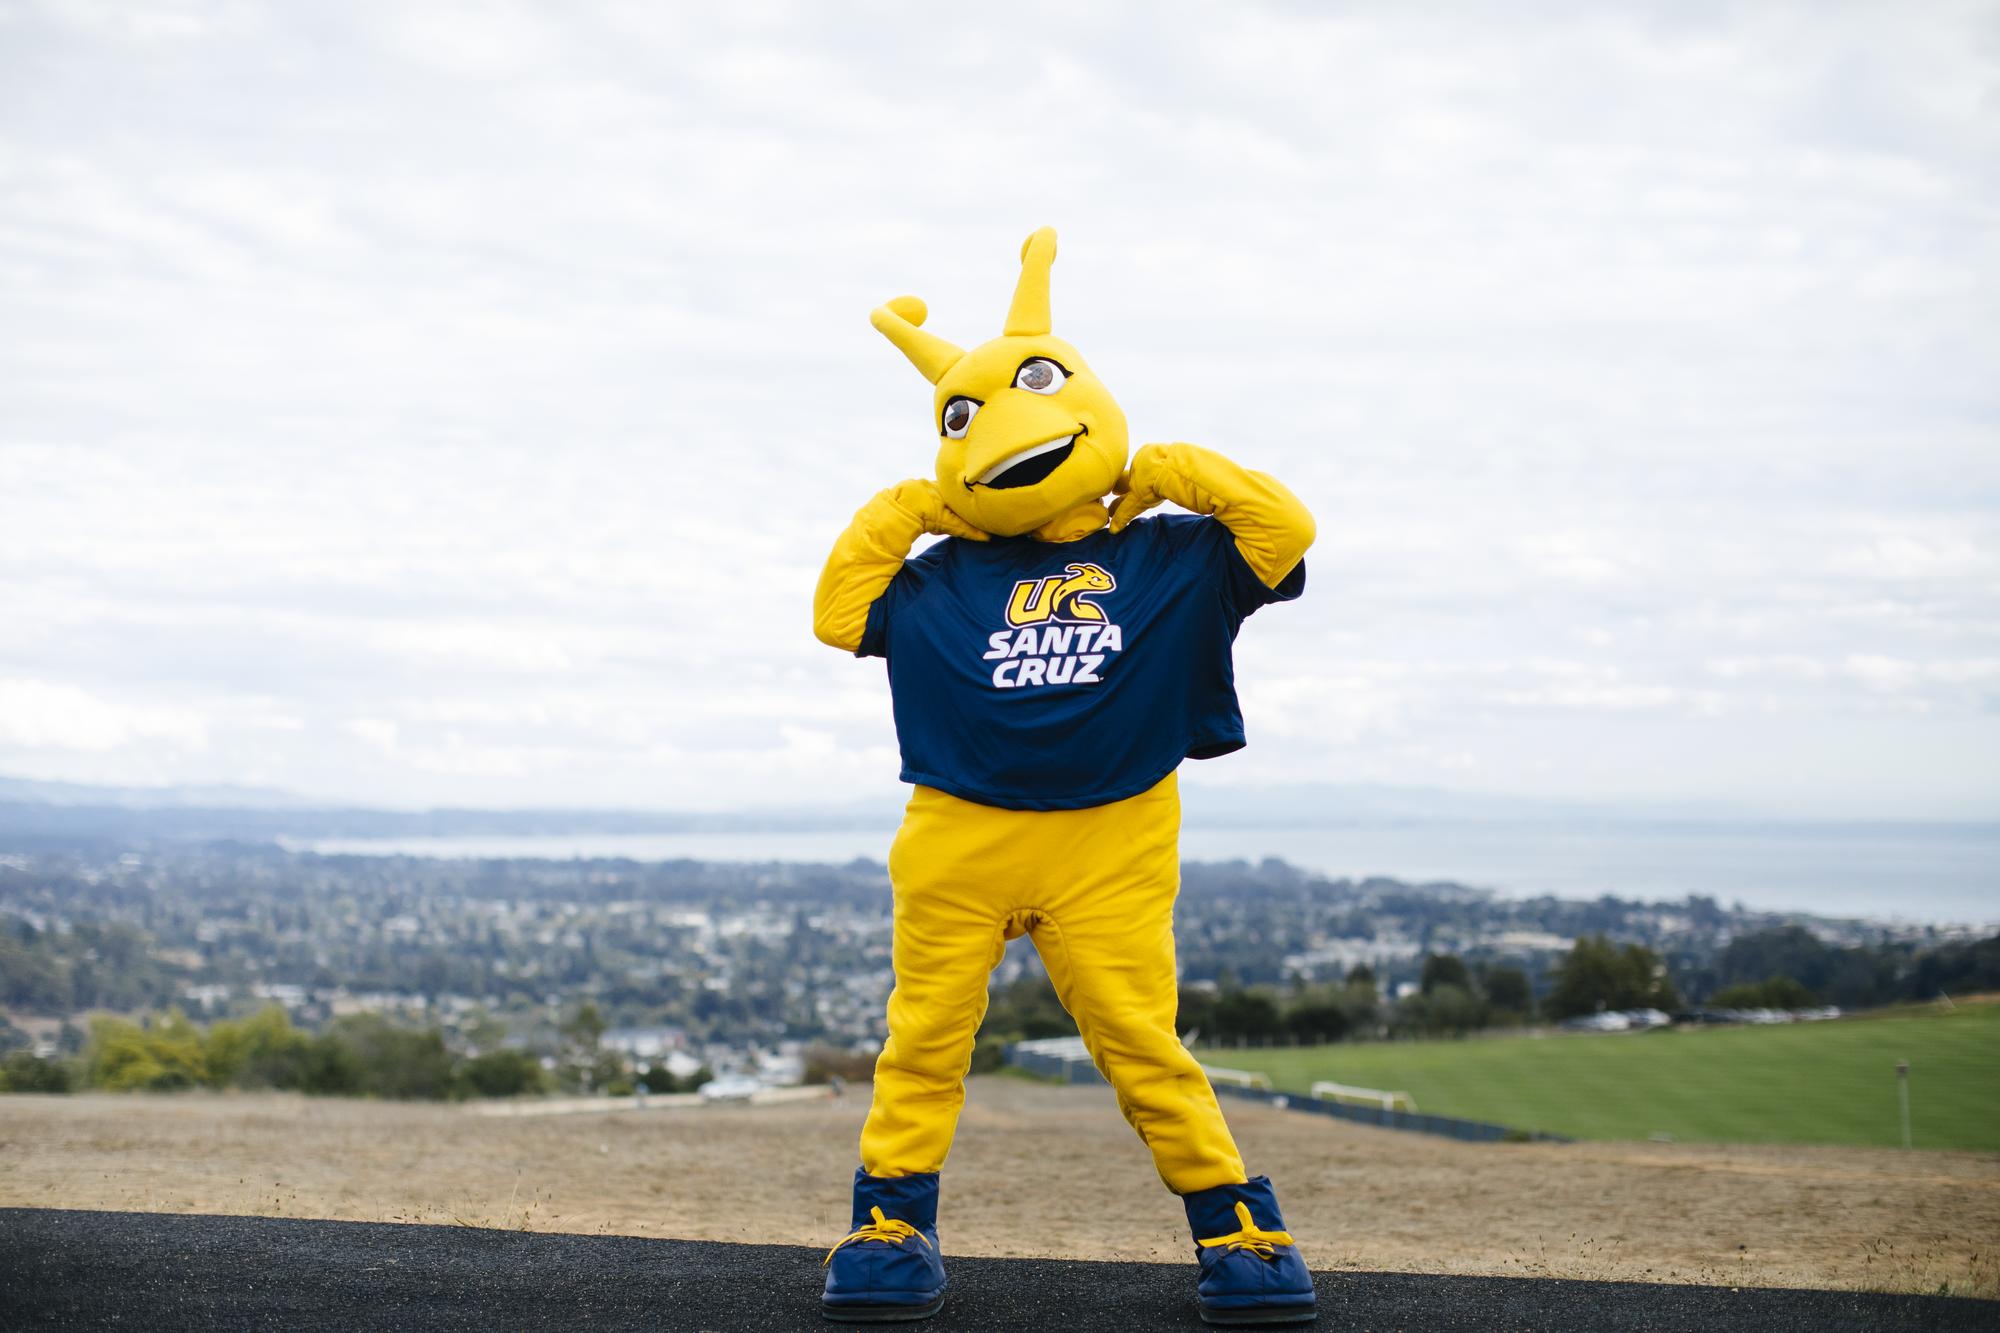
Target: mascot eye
[
  {"x": 1038, "y": 374},
  {"x": 958, "y": 414}
]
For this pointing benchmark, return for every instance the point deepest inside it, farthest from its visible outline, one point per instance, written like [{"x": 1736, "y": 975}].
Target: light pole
[{"x": 1903, "y": 1096}]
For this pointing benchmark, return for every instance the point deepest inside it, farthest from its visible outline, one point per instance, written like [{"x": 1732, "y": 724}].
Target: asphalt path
[{"x": 73, "y": 1269}]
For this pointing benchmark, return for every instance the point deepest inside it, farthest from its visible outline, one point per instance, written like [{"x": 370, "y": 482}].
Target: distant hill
[
  {"x": 33, "y": 809},
  {"x": 1333, "y": 804},
  {"x": 28, "y": 791}
]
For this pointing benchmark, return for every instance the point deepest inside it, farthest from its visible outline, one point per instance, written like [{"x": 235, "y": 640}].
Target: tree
[
  {"x": 1245, "y": 1016},
  {"x": 1585, "y": 980},
  {"x": 1316, "y": 1017},
  {"x": 1445, "y": 1011},
  {"x": 1596, "y": 975},
  {"x": 1508, "y": 992},
  {"x": 1957, "y": 968},
  {"x": 583, "y": 1029},
  {"x": 1789, "y": 951},
  {"x": 1362, "y": 999},
  {"x": 1196, "y": 1013},
  {"x": 1025, "y": 1009},
  {"x": 1853, "y": 978},
  {"x": 1443, "y": 969},
  {"x": 1646, "y": 980},
  {"x": 584, "y": 1063}
]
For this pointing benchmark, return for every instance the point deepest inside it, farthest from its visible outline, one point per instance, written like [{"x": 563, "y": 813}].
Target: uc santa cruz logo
[{"x": 1057, "y": 633}]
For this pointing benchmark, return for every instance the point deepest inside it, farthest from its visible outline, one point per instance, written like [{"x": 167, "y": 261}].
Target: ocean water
[{"x": 1919, "y": 873}]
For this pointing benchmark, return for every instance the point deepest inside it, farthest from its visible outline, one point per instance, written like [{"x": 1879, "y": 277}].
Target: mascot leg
[
  {"x": 950, "y": 930},
  {"x": 951, "y": 927},
  {"x": 1107, "y": 938},
  {"x": 1105, "y": 930},
  {"x": 1096, "y": 890}
]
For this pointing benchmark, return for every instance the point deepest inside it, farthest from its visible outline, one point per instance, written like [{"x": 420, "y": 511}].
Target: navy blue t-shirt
[{"x": 1057, "y": 675}]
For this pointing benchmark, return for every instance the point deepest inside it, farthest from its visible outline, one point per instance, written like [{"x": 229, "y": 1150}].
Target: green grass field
[{"x": 1830, "y": 1082}]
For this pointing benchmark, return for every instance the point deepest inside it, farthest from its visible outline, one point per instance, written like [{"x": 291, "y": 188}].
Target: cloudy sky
[{"x": 421, "y": 404}]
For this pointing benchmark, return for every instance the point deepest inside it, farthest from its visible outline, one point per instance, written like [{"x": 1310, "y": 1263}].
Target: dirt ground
[{"x": 1037, "y": 1171}]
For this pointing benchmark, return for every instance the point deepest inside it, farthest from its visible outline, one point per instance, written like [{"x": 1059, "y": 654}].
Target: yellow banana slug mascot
[{"x": 1051, "y": 662}]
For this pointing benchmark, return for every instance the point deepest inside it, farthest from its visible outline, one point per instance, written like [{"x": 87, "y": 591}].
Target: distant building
[
  {"x": 681, "y": 1064},
  {"x": 780, "y": 1071},
  {"x": 646, "y": 1043}
]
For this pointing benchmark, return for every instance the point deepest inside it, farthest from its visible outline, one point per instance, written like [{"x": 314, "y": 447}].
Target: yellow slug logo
[
  {"x": 1060, "y": 598},
  {"x": 1058, "y": 635}
]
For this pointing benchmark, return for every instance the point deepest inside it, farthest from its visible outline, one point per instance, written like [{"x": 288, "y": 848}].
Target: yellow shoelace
[
  {"x": 1260, "y": 1243},
  {"x": 894, "y": 1230}
]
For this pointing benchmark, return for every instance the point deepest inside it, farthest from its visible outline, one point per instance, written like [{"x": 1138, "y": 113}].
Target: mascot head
[{"x": 1025, "y": 432}]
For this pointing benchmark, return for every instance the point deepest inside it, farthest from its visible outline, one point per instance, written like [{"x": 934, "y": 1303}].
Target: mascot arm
[
  {"x": 872, "y": 550},
  {"x": 1272, "y": 528}
]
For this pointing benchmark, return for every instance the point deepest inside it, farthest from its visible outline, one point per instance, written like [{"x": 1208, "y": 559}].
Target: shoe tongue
[
  {"x": 1212, "y": 1212},
  {"x": 911, "y": 1199}
]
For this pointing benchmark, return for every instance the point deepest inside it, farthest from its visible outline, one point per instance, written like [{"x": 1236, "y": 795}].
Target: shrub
[
  {"x": 125, "y": 1057},
  {"x": 262, "y": 1051},
  {"x": 395, "y": 1062},
  {"x": 825, "y": 1063},
  {"x": 502, "y": 1073},
  {"x": 1444, "y": 1011},
  {"x": 988, "y": 1055},
  {"x": 23, "y": 1071}
]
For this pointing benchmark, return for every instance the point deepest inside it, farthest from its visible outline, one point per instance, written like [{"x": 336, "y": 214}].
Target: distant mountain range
[
  {"x": 28, "y": 791},
  {"x": 34, "y": 809}
]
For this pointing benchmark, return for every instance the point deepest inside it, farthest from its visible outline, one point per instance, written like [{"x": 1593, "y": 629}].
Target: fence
[
  {"x": 1328, "y": 1090},
  {"x": 1066, "y": 1060},
  {"x": 1062, "y": 1058},
  {"x": 1473, "y": 1131}
]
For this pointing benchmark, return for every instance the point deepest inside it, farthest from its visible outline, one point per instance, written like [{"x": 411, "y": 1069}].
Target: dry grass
[{"x": 1037, "y": 1171}]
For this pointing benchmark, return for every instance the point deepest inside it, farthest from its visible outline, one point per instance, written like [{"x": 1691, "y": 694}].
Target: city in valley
[{"x": 619, "y": 975}]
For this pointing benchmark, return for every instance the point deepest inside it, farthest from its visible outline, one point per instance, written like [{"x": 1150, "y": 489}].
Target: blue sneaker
[
  {"x": 1249, "y": 1275},
  {"x": 888, "y": 1268}
]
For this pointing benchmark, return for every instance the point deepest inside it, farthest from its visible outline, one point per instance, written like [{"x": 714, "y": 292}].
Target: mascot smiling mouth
[{"x": 1035, "y": 463}]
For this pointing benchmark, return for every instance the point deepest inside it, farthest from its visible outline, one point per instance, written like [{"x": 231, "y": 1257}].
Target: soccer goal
[
  {"x": 1352, "y": 1096},
  {"x": 1238, "y": 1078}
]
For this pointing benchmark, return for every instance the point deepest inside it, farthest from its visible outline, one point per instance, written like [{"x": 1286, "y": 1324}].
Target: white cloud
[
  {"x": 455, "y": 405},
  {"x": 46, "y": 715},
  {"x": 379, "y": 732},
  {"x": 1900, "y": 676}
]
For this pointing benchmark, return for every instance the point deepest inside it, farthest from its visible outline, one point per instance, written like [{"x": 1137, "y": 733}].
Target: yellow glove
[
  {"x": 871, "y": 551},
  {"x": 1272, "y": 528}
]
